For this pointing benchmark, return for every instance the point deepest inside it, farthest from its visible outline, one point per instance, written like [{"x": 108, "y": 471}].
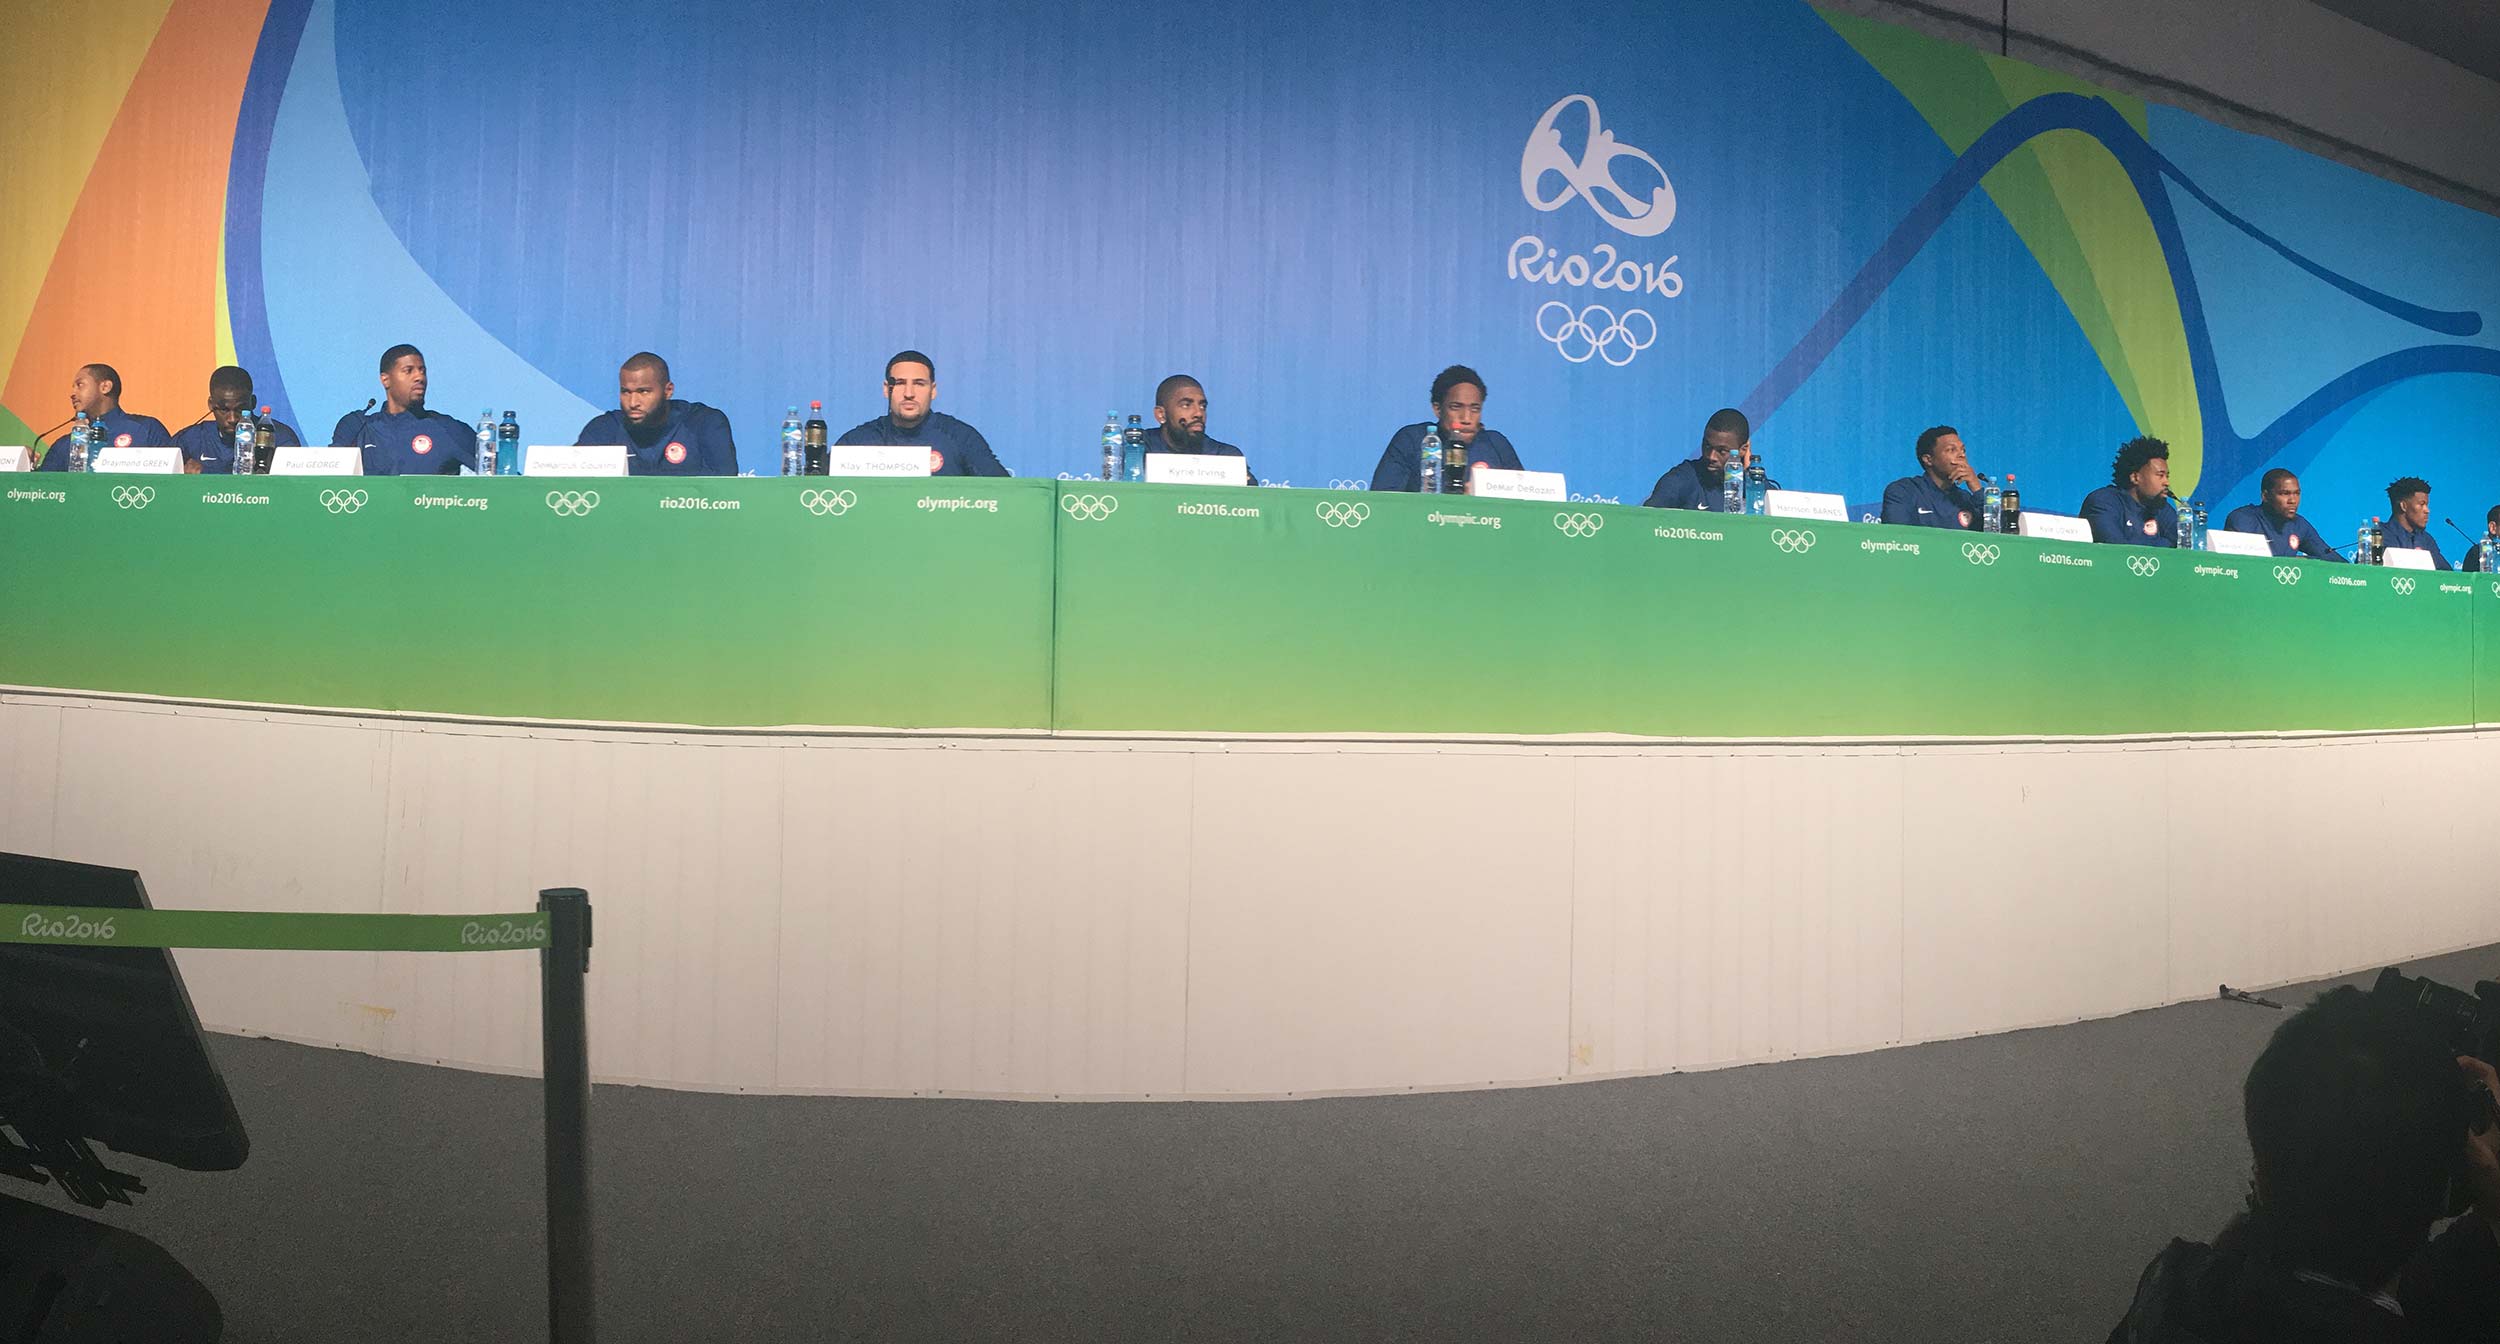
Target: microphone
[
  {"x": 39, "y": 438},
  {"x": 2470, "y": 539}
]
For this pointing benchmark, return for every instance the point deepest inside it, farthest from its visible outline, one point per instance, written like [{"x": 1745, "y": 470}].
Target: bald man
[{"x": 661, "y": 435}]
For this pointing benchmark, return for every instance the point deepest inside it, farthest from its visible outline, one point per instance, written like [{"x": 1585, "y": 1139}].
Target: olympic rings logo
[
  {"x": 1579, "y": 524},
  {"x": 1581, "y": 331},
  {"x": 343, "y": 501},
  {"x": 822, "y": 502},
  {"x": 2401, "y": 584},
  {"x": 1979, "y": 552},
  {"x": 572, "y": 503},
  {"x": 134, "y": 496},
  {"x": 2143, "y": 566},
  {"x": 2287, "y": 574},
  {"x": 1349, "y": 485},
  {"x": 1339, "y": 514},
  {"x": 1088, "y": 508},
  {"x": 1792, "y": 543}
]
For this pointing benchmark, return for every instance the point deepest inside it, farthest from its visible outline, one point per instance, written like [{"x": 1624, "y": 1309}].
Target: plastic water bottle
[
  {"x": 486, "y": 443},
  {"x": 80, "y": 436},
  {"x": 1133, "y": 452},
  {"x": 1428, "y": 462},
  {"x": 1757, "y": 487},
  {"x": 2365, "y": 548},
  {"x": 246, "y": 445},
  {"x": 2184, "y": 522},
  {"x": 508, "y": 446},
  {"x": 1112, "y": 448},
  {"x": 1991, "y": 506},
  {"x": 1731, "y": 487},
  {"x": 2197, "y": 510},
  {"x": 2013, "y": 511},
  {"x": 793, "y": 443}
]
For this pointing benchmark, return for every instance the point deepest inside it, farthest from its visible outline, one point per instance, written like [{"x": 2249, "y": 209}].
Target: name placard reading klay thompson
[
  {"x": 875, "y": 459},
  {"x": 573, "y": 459}
]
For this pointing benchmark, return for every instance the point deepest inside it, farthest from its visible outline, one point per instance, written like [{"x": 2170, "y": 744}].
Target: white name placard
[
  {"x": 2224, "y": 541},
  {"x": 2054, "y": 526},
  {"x": 317, "y": 461},
  {"x": 2408, "y": 557},
  {"x": 137, "y": 461},
  {"x": 571, "y": 459},
  {"x": 1195, "y": 469},
  {"x": 870, "y": 459},
  {"x": 1495, "y": 483},
  {"x": 1805, "y": 504},
  {"x": 16, "y": 457}
]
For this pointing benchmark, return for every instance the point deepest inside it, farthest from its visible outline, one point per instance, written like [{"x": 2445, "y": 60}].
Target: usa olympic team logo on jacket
[
  {"x": 675, "y": 452},
  {"x": 421, "y": 445}
]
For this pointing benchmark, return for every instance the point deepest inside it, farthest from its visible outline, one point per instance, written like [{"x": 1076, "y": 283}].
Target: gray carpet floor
[{"x": 2006, "y": 1188}]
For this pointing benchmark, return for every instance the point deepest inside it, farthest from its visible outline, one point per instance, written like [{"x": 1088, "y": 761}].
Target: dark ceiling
[{"x": 2466, "y": 32}]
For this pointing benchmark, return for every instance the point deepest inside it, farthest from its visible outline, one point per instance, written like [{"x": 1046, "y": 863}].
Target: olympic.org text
[
  {"x": 1888, "y": 547},
  {"x": 1686, "y": 534},
  {"x": 1465, "y": 520},
  {"x": 2217, "y": 572},
  {"x": 2456, "y": 587},
  {"x": 1215, "y": 511},
  {"x": 40, "y": 496},
  {"x": 935, "y": 505},
  {"x": 702, "y": 502},
  {"x": 451, "y": 502},
  {"x": 232, "y": 497},
  {"x": 2059, "y": 558}
]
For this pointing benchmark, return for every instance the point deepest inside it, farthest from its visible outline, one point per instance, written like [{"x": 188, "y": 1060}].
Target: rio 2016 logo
[
  {"x": 68, "y": 928},
  {"x": 477, "y": 933},
  {"x": 1550, "y": 178}
]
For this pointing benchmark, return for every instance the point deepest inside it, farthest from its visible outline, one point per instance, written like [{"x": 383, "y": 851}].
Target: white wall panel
[
  {"x": 30, "y": 763},
  {"x": 1390, "y": 917},
  {"x": 1108, "y": 918}
]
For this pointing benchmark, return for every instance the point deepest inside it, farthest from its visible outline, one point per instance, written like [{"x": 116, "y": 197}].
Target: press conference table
[{"x": 1040, "y": 605}]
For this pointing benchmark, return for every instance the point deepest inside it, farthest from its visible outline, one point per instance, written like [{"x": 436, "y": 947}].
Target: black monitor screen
[{"x": 114, "y": 1028}]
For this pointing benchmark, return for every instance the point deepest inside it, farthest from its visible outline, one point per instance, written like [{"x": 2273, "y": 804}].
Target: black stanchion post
[{"x": 564, "y": 1031}]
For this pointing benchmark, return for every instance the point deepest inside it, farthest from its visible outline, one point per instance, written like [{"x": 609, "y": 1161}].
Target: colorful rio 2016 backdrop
[{"x": 1625, "y": 216}]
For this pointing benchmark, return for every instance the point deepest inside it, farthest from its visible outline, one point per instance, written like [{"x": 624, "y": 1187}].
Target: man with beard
[
  {"x": 404, "y": 438},
  {"x": 1696, "y": 482},
  {"x": 2134, "y": 509},
  {"x": 208, "y": 447},
  {"x": 910, "y": 420},
  {"x": 1181, "y": 423},
  {"x": 2409, "y": 518},
  {"x": 661, "y": 435},
  {"x": 2278, "y": 519},
  {"x": 96, "y": 389}
]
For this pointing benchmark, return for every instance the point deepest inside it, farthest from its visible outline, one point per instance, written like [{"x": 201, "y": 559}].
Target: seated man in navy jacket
[
  {"x": 406, "y": 439},
  {"x": 1945, "y": 493},
  {"x": 208, "y": 447},
  {"x": 2409, "y": 518},
  {"x": 2134, "y": 508},
  {"x": 910, "y": 419},
  {"x": 2278, "y": 520},
  {"x": 661, "y": 435},
  {"x": 1458, "y": 412},
  {"x": 2478, "y": 557},
  {"x": 1698, "y": 482},
  {"x": 1181, "y": 423},
  {"x": 97, "y": 390}
]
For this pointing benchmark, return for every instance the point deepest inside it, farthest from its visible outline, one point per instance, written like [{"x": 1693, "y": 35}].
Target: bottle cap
[{"x": 815, "y": 405}]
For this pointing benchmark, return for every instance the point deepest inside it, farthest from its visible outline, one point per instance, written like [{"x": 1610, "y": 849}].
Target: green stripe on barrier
[{"x": 78, "y": 926}]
